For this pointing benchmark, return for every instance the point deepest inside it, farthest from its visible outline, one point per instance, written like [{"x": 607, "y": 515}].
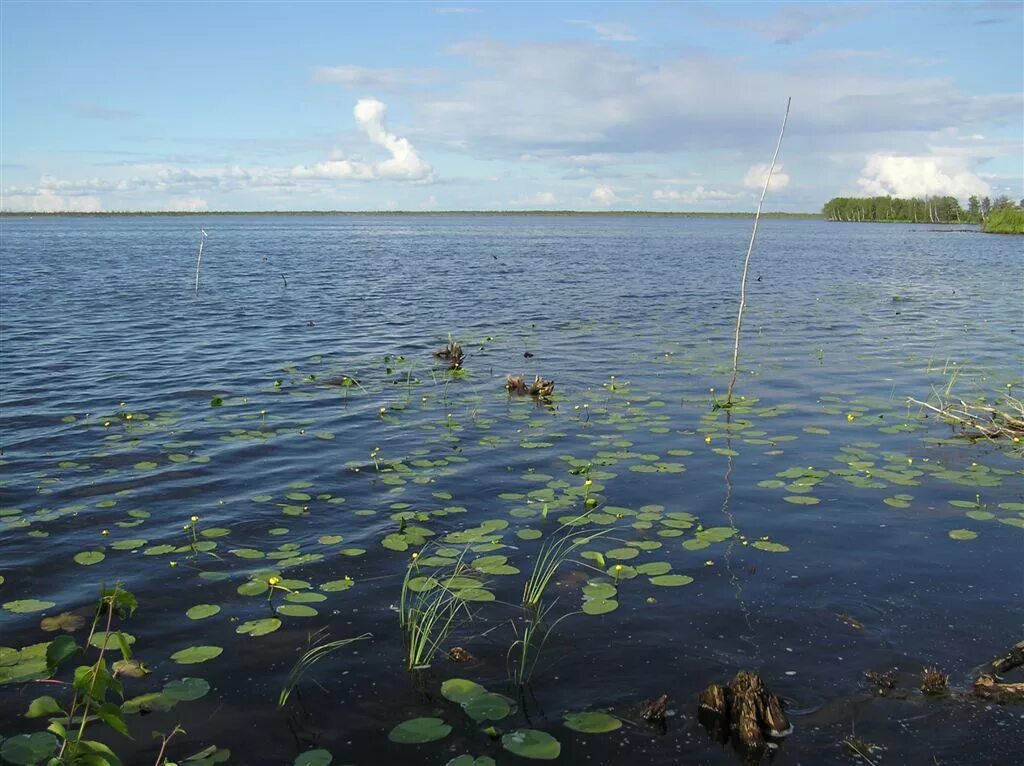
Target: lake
[{"x": 294, "y": 406}]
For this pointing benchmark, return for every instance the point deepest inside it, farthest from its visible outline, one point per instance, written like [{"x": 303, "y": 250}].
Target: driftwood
[
  {"x": 979, "y": 419},
  {"x": 988, "y": 688},
  {"x": 745, "y": 707},
  {"x": 1012, "y": 659},
  {"x": 655, "y": 709}
]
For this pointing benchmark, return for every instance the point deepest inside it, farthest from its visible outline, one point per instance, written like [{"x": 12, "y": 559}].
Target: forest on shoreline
[{"x": 945, "y": 209}]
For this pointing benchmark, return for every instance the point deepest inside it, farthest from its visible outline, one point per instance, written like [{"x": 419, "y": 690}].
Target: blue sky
[{"x": 587, "y": 106}]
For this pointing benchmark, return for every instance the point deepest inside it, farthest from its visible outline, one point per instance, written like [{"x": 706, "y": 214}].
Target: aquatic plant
[
  {"x": 428, "y": 609},
  {"x": 318, "y": 650},
  {"x": 552, "y": 555},
  {"x": 524, "y": 653}
]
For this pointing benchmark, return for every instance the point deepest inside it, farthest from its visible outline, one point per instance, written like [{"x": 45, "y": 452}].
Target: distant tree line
[{"x": 916, "y": 209}]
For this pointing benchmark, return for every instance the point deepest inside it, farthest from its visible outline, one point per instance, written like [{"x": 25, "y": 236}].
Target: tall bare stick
[
  {"x": 746, "y": 262},
  {"x": 199, "y": 258}
]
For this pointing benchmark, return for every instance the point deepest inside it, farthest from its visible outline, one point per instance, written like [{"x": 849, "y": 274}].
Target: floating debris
[
  {"x": 934, "y": 682},
  {"x": 515, "y": 384},
  {"x": 460, "y": 655},
  {"x": 655, "y": 709},
  {"x": 884, "y": 681}
]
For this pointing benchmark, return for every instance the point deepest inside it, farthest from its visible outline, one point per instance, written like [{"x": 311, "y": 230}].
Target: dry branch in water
[{"x": 1004, "y": 419}]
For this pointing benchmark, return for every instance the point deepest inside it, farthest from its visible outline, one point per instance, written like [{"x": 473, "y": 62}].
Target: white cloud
[
  {"x": 603, "y": 195},
  {"x": 909, "y": 176},
  {"x": 405, "y": 163},
  {"x": 539, "y": 199},
  {"x": 363, "y": 77},
  {"x": 607, "y": 30},
  {"x": 754, "y": 179},
  {"x": 187, "y": 205},
  {"x": 45, "y": 201},
  {"x": 697, "y": 194}
]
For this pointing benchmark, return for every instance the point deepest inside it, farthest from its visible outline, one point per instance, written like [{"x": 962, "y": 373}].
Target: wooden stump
[{"x": 747, "y": 708}]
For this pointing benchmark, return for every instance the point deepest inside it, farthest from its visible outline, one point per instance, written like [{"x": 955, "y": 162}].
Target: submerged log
[{"x": 988, "y": 688}]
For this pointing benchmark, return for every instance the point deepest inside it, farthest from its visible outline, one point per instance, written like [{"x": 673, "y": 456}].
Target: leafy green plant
[
  {"x": 93, "y": 686},
  {"x": 318, "y": 649}
]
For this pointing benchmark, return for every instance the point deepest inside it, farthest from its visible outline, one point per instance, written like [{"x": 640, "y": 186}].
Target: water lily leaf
[
  {"x": 416, "y": 731},
  {"x": 654, "y": 568},
  {"x": 530, "y": 743},
  {"x": 297, "y": 610},
  {"x": 421, "y": 584},
  {"x": 202, "y": 611},
  {"x": 335, "y": 586},
  {"x": 130, "y": 668},
  {"x": 671, "y": 580},
  {"x": 467, "y": 760},
  {"x": 461, "y": 690},
  {"x": 259, "y": 627},
  {"x": 314, "y": 758},
  {"x": 597, "y": 606},
  {"x": 770, "y": 547},
  {"x": 196, "y": 654},
  {"x": 488, "y": 707},
  {"x": 186, "y": 689},
  {"x": 622, "y": 554},
  {"x": 65, "y": 621},
  {"x": 803, "y": 499},
  {"x": 28, "y": 749},
  {"x": 27, "y": 605},
  {"x": 962, "y": 534},
  {"x": 592, "y": 723},
  {"x": 600, "y": 590}
]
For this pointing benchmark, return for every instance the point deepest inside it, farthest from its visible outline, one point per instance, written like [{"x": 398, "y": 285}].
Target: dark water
[{"x": 99, "y": 319}]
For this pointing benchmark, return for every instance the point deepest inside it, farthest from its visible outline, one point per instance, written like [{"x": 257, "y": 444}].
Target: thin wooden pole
[
  {"x": 746, "y": 262},
  {"x": 199, "y": 258}
]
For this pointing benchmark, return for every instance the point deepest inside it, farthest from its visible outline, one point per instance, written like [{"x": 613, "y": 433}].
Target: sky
[{"x": 194, "y": 106}]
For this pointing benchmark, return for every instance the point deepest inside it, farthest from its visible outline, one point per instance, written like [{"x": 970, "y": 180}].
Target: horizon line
[{"x": 690, "y": 213}]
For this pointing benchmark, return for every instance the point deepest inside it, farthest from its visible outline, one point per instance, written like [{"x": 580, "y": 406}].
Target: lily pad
[
  {"x": 962, "y": 534},
  {"x": 597, "y": 606},
  {"x": 202, "y": 611},
  {"x": 259, "y": 627},
  {"x": 530, "y": 743},
  {"x": 416, "y": 731},
  {"x": 27, "y": 605},
  {"x": 196, "y": 654},
  {"x": 592, "y": 723},
  {"x": 671, "y": 580},
  {"x": 317, "y": 757}
]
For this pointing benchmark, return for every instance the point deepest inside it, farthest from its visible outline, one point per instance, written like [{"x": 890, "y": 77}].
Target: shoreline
[{"x": 418, "y": 213}]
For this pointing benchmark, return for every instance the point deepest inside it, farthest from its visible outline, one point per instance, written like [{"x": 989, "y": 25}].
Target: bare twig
[
  {"x": 746, "y": 262},
  {"x": 981, "y": 420}
]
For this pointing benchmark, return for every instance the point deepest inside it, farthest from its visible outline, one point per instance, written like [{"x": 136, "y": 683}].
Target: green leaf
[
  {"x": 770, "y": 547},
  {"x": 43, "y": 706},
  {"x": 28, "y": 749},
  {"x": 460, "y": 690},
  {"x": 186, "y": 689},
  {"x": 88, "y": 558},
  {"x": 58, "y": 651},
  {"x": 259, "y": 627},
  {"x": 419, "y": 730},
  {"x": 27, "y": 605},
  {"x": 592, "y": 723},
  {"x": 297, "y": 610},
  {"x": 196, "y": 654},
  {"x": 596, "y": 606},
  {"x": 530, "y": 743},
  {"x": 487, "y": 707},
  {"x": 962, "y": 534},
  {"x": 314, "y": 758},
  {"x": 671, "y": 580},
  {"x": 110, "y": 714},
  {"x": 202, "y": 611}
]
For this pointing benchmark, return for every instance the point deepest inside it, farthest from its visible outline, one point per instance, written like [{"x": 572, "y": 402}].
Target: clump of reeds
[
  {"x": 318, "y": 649},
  {"x": 539, "y": 389},
  {"x": 934, "y": 682},
  {"x": 1002, "y": 419},
  {"x": 428, "y": 610}
]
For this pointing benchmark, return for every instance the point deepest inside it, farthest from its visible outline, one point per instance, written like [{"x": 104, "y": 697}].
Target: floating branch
[{"x": 1005, "y": 419}]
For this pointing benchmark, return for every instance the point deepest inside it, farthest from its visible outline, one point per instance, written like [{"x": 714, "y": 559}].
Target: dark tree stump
[
  {"x": 1012, "y": 659},
  {"x": 747, "y": 707}
]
